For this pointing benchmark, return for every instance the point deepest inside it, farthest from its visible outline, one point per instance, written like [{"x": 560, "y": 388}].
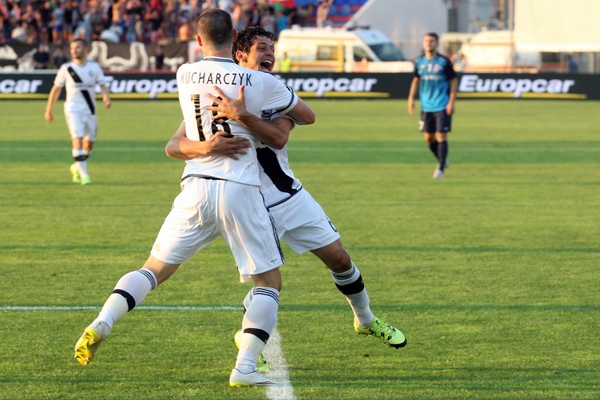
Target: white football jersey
[
  {"x": 80, "y": 82},
  {"x": 277, "y": 181},
  {"x": 262, "y": 92}
]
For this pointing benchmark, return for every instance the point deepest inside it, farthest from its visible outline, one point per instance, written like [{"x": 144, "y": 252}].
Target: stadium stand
[{"x": 150, "y": 21}]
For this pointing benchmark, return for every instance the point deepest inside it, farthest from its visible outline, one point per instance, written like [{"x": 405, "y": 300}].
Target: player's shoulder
[
  {"x": 443, "y": 58},
  {"x": 420, "y": 59},
  {"x": 91, "y": 64}
]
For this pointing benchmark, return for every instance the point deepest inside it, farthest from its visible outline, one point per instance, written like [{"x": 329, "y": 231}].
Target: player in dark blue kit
[{"x": 437, "y": 83}]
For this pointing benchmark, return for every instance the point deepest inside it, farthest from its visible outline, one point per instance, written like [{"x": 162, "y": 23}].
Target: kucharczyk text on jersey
[{"x": 216, "y": 78}]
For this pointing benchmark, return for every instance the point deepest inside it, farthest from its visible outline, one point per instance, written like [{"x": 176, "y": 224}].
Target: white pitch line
[
  {"x": 149, "y": 308},
  {"x": 278, "y": 370}
]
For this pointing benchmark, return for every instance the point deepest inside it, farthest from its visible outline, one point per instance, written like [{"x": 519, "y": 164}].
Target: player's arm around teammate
[{"x": 220, "y": 144}]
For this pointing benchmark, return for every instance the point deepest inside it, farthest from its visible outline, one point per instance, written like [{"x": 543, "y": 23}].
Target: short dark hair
[
  {"x": 433, "y": 35},
  {"x": 80, "y": 40},
  {"x": 215, "y": 27},
  {"x": 245, "y": 38}
]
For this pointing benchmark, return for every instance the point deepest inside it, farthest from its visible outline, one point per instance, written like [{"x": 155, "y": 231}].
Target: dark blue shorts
[{"x": 433, "y": 122}]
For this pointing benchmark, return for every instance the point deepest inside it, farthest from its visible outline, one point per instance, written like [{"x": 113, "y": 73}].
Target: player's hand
[
  {"x": 49, "y": 116},
  {"x": 411, "y": 107},
  {"x": 221, "y": 143},
  {"x": 227, "y": 107},
  {"x": 107, "y": 102},
  {"x": 450, "y": 109}
]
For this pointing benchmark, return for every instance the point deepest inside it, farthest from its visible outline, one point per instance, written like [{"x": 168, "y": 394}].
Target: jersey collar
[{"x": 218, "y": 59}]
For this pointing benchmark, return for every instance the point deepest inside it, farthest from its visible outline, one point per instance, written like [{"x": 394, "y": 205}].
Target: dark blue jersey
[{"x": 435, "y": 76}]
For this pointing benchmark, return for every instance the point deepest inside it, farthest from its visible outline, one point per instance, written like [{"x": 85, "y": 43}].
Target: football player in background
[
  {"x": 437, "y": 82},
  {"x": 80, "y": 76}
]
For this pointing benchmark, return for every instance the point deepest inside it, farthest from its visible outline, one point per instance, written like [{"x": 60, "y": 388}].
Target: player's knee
[{"x": 339, "y": 260}]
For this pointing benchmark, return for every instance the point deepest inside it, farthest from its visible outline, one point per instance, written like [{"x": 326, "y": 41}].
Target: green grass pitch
[{"x": 492, "y": 272}]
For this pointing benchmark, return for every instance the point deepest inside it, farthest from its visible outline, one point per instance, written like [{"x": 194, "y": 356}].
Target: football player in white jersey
[
  {"x": 220, "y": 197},
  {"x": 80, "y": 76},
  {"x": 300, "y": 220}
]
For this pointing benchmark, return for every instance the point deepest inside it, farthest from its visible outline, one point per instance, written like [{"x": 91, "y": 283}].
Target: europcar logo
[
  {"x": 20, "y": 86},
  {"x": 142, "y": 88},
  {"x": 474, "y": 86},
  {"x": 334, "y": 87}
]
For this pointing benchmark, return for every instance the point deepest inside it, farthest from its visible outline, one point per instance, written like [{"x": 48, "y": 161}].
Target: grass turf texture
[{"x": 492, "y": 272}]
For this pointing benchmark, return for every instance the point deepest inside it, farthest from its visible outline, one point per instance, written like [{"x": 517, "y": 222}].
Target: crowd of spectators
[{"x": 125, "y": 21}]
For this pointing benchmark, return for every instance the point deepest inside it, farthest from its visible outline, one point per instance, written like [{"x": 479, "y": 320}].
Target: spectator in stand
[
  {"x": 129, "y": 26},
  {"x": 281, "y": 20},
  {"x": 59, "y": 58},
  {"x": 14, "y": 13},
  {"x": 84, "y": 28},
  {"x": 41, "y": 57},
  {"x": 186, "y": 11},
  {"x": 67, "y": 21},
  {"x": 34, "y": 35},
  {"x": 171, "y": 16},
  {"x": 75, "y": 17},
  {"x": 293, "y": 17},
  {"x": 20, "y": 34},
  {"x": 268, "y": 20},
  {"x": 159, "y": 58},
  {"x": 209, "y": 4},
  {"x": 45, "y": 36},
  {"x": 155, "y": 20},
  {"x": 235, "y": 9},
  {"x": 140, "y": 32},
  {"x": 186, "y": 33},
  {"x": 58, "y": 23},
  {"x": 112, "y": 34},
  {"x": 255, "y": 17},
  {"x": 323, "y": 13},
  {"x": 45, "y": 16},
  {"x": 305, "y": 14}
]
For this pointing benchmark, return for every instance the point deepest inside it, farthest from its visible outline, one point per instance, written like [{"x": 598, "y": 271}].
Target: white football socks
[
  {"x": 358, "y": 299},
  {"x": 258, "y": 323},
  {"x": 129, "y": 292},
  {"x": 81, "y": 165}
]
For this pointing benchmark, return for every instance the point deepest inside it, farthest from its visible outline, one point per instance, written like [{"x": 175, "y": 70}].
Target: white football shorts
[
  {"x": 208, "y": 208},
  {"x": 302, "y": 223},
  {"x": 81, "y": 125}
]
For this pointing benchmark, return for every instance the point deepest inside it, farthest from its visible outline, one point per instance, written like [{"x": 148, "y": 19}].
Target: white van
[
  {"x": 496, "y": 51},
  {"x": 338, "y": 50}
]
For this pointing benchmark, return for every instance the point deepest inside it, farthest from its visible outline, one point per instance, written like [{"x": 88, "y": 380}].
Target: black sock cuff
[
  {"x": 259, "y": 333},
  {"x": 352, "y": 288},
  {"x": 128, "y": 297}
]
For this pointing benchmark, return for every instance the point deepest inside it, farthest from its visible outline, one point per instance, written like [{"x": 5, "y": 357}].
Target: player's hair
[
  {"x": 80, "y": 40},
  {"x": 433, "y": 35},
  {"x": 245, "y": 39},
  {"x": 215, "y": 27}
]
